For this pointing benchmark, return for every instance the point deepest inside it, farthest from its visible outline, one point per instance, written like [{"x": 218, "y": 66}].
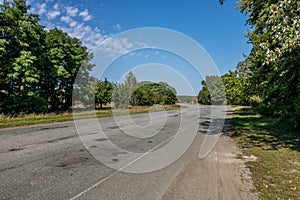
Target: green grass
[
  {"x": 276, "y": 172},
  {"x": 30, "y": 119}
]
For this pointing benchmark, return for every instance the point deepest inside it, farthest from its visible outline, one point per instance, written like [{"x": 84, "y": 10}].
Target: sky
[{"x": 219, "y": 29}]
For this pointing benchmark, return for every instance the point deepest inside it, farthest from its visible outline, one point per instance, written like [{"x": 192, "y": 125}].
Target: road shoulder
[{"x": 220, "y": 175}]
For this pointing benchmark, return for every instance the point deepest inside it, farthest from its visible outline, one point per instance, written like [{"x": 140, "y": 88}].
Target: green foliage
[
  {"x": 38, "y": 67},
  {"x": 121, "y": 95},
  {"x": 25, "y": 104},
  {"x": 142, "y": 94},
  {"x": 123, "y": 91},
  {"x": 213, "y": 91},
  {"x": 216, "y": 89},
  {"x": 130, "y": 80},
  {"x": 274, "y": 59},
  {"x": 235, "y": 84},
  {"x": 103, "y": 94},
  {"x": 187, "y": 99},
  {"x": 20, "y": 48},
  {"x": 149, "y": 93},
  {"x": 204, "y": 95},
  {"x": 237, "y": 88},
  {"x": 64, "y": 57}
]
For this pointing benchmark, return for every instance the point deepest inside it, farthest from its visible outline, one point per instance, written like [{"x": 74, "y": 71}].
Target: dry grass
[{"x": 30, "y": 119}]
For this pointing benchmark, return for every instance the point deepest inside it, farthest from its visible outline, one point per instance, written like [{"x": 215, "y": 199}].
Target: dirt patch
[
  {"x": 220, "y": 175},
  {"x": 249, "y": 158}
]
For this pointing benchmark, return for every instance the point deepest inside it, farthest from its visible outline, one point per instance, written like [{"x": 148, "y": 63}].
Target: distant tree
[
  {"x": 83, "y": 95},
  {"x": 122, "y": 92},
  {"x": 187, "y": 99},
  {"x": 237, "y": 88},
  {"x": 121, "y": 95},
  {"x": 149, "y": 93},
  {"x": 103, "y": 94},
  {"x": 130, "y": 80},
  {"x": 216, "y": 89},
  {"x": 204, "y": 95}
]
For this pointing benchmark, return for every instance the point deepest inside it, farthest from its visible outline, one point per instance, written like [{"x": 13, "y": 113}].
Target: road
[{"x": 51, "y": 161}]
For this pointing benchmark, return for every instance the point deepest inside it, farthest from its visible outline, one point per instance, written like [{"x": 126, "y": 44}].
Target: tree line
[
  {"x": 232, "y": 88},
  {"x": 131, "y": 92},
  {"x": 269, "y": 77}
]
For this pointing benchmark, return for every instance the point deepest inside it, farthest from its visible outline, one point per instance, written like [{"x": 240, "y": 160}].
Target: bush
[
  {"x": 149, "y": 93},
  {"x": 15, "y": 105}
]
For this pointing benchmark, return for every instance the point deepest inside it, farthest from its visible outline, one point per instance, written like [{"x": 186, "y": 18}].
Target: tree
[
  {"x": 149, "y": 93},
  {"x": 237, "y": 88},
  {"x": 121, "y": 95},
  {"x": 235, "y": 85},
  {"x": 204, "y": 96},
  {"x": 216, "y": 89},
  {"x": 38, "y": 67},
  {"x": 20, "y": 57},
  {"x": 274, "y": 58},
  {"x": 64, "y": 58},
  {"x": 103, "y": 93},
  {"x": 130, "y": 80},
  {"x": 122, "y": 92},
  {"x": 187, "y": 99}
]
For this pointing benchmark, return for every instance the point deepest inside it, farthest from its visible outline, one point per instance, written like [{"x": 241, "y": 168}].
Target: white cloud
[
  {"x": 56, "y": 6},
  {"x": 65, "y": 19},
  {"x": 68, "y": 20},
  {"x": 117, "y": 27},
  {"x": 88, "y": 35},
  {"x": 72, "y": 11},
  {"x": 115, "y": 45},
  {"x": 85, "y": 15},
  {"x": 53, "y": 13},
  {"x": 87, "y": 18},
  {"x": 92, "y": 37},
  {"x": 73, "y": 23},
  {"x": 41, "y": 9}
]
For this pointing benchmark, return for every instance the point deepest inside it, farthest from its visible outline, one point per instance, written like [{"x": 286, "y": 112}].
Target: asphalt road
[{"x": 52, "y": 161}]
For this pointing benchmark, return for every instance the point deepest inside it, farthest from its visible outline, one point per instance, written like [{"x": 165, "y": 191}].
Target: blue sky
[{"x": 218, "y": 29}]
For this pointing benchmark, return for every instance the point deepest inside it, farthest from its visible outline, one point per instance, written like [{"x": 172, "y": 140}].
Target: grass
[
  {"x": 276, "y": 172},
  {"x": 30, "y": 119}
]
